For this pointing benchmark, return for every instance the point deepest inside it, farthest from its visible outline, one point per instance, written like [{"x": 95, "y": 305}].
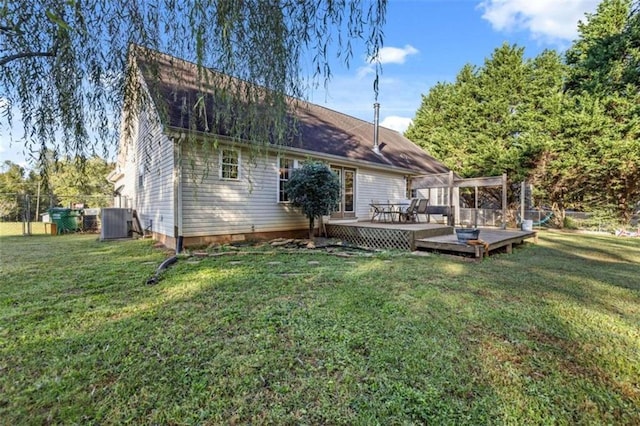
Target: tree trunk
[
  {"x": 559, "y": 214},
  {"x": 311, "y": 223}
]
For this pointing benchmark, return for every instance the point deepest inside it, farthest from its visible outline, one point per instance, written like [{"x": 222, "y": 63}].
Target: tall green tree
[
  {"x": 604, "y": 64},
  {"x": 12, "y": 187},
  {"x": 605, "y": 58},
  {"x": 501, "y": 117},
  {"x": 563, "y": 175},
  {"x": 64, "y": 62},
  {"x": 16, "y": 184},
  {"x": 79, "y": 181},
  {"x": 570, "y": 127},
  {"x": 68, "y": 181}
]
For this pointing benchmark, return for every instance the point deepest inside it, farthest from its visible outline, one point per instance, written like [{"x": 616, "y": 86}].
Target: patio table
[{"x": 388, "y": 210}]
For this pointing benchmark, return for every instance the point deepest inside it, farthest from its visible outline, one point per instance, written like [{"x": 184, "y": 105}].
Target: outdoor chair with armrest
[
  {"x": 409, "y": 215},
  {"x": 423, "y": 205},
  {"x": 376, "y": 211}
]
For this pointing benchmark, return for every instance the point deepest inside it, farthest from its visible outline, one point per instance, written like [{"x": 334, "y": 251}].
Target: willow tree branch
[{"x": 6, "y": 59}]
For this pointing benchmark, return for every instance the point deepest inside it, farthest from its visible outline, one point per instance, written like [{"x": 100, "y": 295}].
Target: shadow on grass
[
  {"x": 519, "y": 338},
  {"x": 556, "y": 332},
  {"x": 599, "y": 248}
]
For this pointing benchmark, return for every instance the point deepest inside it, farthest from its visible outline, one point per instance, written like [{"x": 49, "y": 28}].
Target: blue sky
[{"x": 426, "y": 41}]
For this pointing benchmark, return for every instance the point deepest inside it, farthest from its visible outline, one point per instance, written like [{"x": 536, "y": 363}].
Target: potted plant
[{"x": 466, "y": 234}]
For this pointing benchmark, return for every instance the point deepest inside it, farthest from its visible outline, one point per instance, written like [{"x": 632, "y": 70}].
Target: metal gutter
[{"x": 177, "y": 131}]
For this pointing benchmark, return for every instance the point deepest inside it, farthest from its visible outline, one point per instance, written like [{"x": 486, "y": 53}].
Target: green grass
[
  {"x": 18, "y": 228},
  {"x": 547, "y": 335}
]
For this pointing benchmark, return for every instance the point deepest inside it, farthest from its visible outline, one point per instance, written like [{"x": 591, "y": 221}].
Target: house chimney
[{"x": 376, "y": 119}]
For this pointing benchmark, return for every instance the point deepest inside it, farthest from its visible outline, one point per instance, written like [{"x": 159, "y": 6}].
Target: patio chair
[
  {"x": 376, "y": 211},
  {"x": 423, "y": 205},
  {"x": 410, "y": 215}
]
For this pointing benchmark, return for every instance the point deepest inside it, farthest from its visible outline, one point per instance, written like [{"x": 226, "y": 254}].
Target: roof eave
[{"x": 179, "y": 132}]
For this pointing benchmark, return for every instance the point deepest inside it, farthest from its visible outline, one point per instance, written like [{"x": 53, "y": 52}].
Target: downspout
[
  {"x": 376, "y": 124},
  {"x": 177, "y": 194}
]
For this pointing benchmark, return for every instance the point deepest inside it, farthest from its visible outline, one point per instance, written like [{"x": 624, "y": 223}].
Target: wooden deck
[
  {"x": 490, "y": 240},
  {"x": 402, "y": 236},
  {"x": 424, "y": 236}
]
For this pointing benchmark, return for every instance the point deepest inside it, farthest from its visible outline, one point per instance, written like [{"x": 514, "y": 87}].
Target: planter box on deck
[{"x": 466, "y": 234}]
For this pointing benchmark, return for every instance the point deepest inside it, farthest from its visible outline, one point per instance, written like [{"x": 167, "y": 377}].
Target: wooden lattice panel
[{"x": 371, "y": 237}]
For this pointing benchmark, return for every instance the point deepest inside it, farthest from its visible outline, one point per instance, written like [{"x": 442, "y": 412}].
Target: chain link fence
[{"x": 27, "y": 214}]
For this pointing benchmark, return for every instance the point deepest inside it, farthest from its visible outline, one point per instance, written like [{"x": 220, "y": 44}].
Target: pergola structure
[{"x": 454, "y": 183}]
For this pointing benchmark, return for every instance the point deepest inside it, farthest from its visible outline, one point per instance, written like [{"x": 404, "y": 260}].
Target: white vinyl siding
[
  {"x": 153, "y": 200},
  {"x": 126, "y": 165},
  {"x": 213, "y": 206},
  {"x": 379, "y": 186}
]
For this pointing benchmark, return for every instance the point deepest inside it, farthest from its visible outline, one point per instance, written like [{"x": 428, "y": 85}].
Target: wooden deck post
[
  {"x": 522, "y": 190},
  {"x": 504, "y": 201},
  {"x": 475, "y": 207},
  {"x": 450, "y": 219}
]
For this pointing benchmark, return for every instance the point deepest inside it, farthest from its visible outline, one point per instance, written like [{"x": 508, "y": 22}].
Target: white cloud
[
  {"x": 394, "y": 55},
  {"x": 365, "y": 71},
  {"x": 548, "y": 20},
  {"x": 394, "y": 122},
  {"x": 387, "y": 55}
]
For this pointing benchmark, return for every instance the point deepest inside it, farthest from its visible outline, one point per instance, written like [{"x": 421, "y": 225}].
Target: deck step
[
  {"x": 434, "y": 232},
  {"x": 492, "y": 239}
]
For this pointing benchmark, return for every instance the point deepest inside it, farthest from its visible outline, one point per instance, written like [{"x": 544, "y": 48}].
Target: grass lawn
[
  {"x": 547, "y": 335},
  {"x": 17, "y": 228}
]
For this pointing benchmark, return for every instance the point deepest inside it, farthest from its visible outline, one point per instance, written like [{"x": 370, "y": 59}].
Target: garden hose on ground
[{"x": 164, "y": 265}]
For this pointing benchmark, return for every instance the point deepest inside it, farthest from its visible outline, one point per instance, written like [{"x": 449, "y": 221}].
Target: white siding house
[{"x": 192, "y": 186}]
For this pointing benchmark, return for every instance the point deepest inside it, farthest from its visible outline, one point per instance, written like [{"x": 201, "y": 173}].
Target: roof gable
[{"x": 188, "y": 100}]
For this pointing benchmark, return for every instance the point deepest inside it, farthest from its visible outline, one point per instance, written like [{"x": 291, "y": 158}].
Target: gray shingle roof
[{"x": 175, "y": 88}]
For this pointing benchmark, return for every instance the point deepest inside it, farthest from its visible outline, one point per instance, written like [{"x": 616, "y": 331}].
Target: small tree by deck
[{"x": 314, "y": 189}]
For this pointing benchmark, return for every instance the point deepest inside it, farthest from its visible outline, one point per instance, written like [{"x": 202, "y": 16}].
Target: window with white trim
[
  {"x": 286, "y": 166},
  {"x": 229, "y": 164}
]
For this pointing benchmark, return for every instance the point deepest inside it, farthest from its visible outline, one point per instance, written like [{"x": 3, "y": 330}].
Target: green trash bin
[{"x": 66, "y": 220}]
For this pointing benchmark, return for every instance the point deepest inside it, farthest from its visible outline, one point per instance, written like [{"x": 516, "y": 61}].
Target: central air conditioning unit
[{"x": 116, "y": 223}]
